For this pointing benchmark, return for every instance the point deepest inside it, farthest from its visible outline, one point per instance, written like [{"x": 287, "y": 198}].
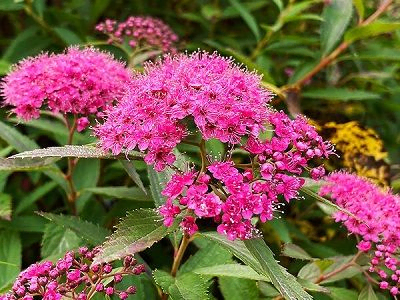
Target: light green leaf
[
  {"x": 342, "y": 294},
  {"x": 32, "y": 197},
  {"x": 10, "y": 256},
  {"x": 120, "y": 192},
  {"x": 5, "y": 206},
  {"x": 188, "y": 286},
  {"x": 339, "y": 94},
  {"x": 84, "y": 151},
  {"x": 336, "y": 15},
  {"x": 366, "y": 31},
  {"x": 294, "y": 251},
  {"x": 247, "y": 17},
  {"x": 280, "y": 278},
  {"x": 231, "y": 270},
  {"x": 359, "y": 5},
  {"x": 133, "y": 174},
  {"x": 4, "y": 67},
  {"x": 90, "y": 232},
  {"x": 29, "y": 164},
  {"x": 57, "y": 240},
  {"x": 311, "y": 286},
  {"x": 279, "y": 4},
  {"x": 136, "y": 232},
  {"x": 238, "y": 288},
  {"x": 367, "y": 293}
]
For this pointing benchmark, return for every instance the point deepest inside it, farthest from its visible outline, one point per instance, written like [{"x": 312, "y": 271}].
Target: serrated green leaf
[
  {"x": 5, "y": 206},
  {"x": 136, "y": 232},
  {"x": 336, "y": 15},
  {"x": 247, "y": 17},
  {"x": 188, "y": 286},
  {"x": 57, "y": 240},
  {"x": 280, "y": 278},
  {"x": 294, "y": 251},
  {"x": 29, "y": 164},
  {"x": 90, "y": 232},
  {"x": 373, "y": 29},
  {"x": 133, "y": 174},
  {"x": 238, "y": 288},
  {"x": 163, "y": 279},
  {"x": 10, "y": 256},
  {"x": 157, "y": 183},
  {"x": 32, "y": 197},
  {"x": 340, "y": 94},
  {"x": 367, "y": 293},
  {"x": 120, "y": 192},
  {"x": 231, "y": 270},
  {"x": 263, "y": 264}
]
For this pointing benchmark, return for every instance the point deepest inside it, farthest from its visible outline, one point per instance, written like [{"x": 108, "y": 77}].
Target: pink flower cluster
[
  {"x": 74, "y": 277},
  {"x": 233, "y": 197},
  {"x": 80, "y": 82},
  {"x": 140, "y": 32},
  {"x": 377, "y": 222},
  {"x": 224, "y": 101}
]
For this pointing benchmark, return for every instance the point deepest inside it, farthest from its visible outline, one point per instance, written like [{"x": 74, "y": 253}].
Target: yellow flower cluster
[{"x": 361, "y": 149}]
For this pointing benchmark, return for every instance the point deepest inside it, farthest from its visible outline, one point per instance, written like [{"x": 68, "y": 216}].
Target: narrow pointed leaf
[{"x": 133, "y": 174}]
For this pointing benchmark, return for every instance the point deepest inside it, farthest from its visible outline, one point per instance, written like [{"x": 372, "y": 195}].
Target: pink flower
[
  {"x": 188, "y": 225},
  {"x": 80, "y": 82},
  {"x": 140, "y": 31}
]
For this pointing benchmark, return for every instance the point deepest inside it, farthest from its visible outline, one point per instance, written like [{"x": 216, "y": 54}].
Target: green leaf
[
  {"x": 139, "y": 230},
  {"x": 367, "y": 293},
  {"x": 231, "y": 270},
  {"x": 279, "y": 4},
  {"x": 261, "y": 259},
  {"x": 10, "y": 256},
  {"x": 84, "y": 151},
  {"x": 339, "y": 94},
  {"x": 359, "y": 5},
  {"x": 366, "y": 31},
  {"x": 238, "y": 288},
  {"x": 336, "y": 15},
  {"x": 188, "y": 286},
  {"x": 86, "y": 175},
  {"x": 339, "y": 262},
  {"x": 120, "y": 192},
  {"x": 57, "y": 240},
  {"x": 294, "y": 251},
  {"x": 25, "y": 224},
  {"x": 67, "y": 36},
  {"x": 212, "y": 254},
  {"x": 163, "y": 279},
  {"x": 281, "y": 279},
  {"x": 342, "y": 294},
  {"x": 29, "y": 164},
  {"x": 5, "y": 206},
  {"x": 98, "y": 8},
  {"x": 14, "y": 138},
  {"x": 133, "y": 174},
  {"x": 247, "y": 17},
  {"x": 8, "y": 5},
  {"x": 311, "y": 286},
  {"x": 32, "y": 197},
  {"x": 157, "y": 183},
  {"x": 4, "y": 67},
  {"x": 90, "y": 232}
]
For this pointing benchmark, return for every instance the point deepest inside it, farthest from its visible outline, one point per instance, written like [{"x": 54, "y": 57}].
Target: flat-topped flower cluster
[
  {"x": 376, "y": 220},
  {"x": 225, "y": 102},
  {"x": 79, "y": 82},
  {"x": 73, "y": 277}
]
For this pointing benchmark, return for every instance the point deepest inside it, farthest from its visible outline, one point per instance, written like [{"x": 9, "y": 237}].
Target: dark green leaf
[
  {"x": 247, "y": 17},
  {"x": 133, "y": 174},
  {"x": 339, "y": 94},
  {"x": 57, "y": 240},
  {"x": 69, "y": 37},
  {"x": 336, "y": 15},
  {"x": 8, "y": 5},
  {"x": 5, "y": 206},
  {"x": 342, "y": 294},
  {"x": 163, "y": 279},
  {"x": 32, "y": 197},
  {"x": 238, "y": 288},
  {"x": 10, "y": 256},
  {"x": 25, "y": 224},
  {"x": 29, "y": 164},
  {"x": 14, "y": 138},
  {"x": 188, "y": 286},
  {"x": 90, "y": 232},
  {"x": 157, "y": 183},
  {"x": 120, "y": 192},
  {"x": 136, "y": 232}
]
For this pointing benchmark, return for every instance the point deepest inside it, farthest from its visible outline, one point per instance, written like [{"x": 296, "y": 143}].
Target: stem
[
  {"x": 351, "y": 263},
  {"x": 179, "y": 255},
  {"x": 203, "y": 153},
  {"x": 73, "y": 194}
]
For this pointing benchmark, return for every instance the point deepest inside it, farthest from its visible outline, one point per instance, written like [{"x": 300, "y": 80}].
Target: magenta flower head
[
  {"x": 223, "y": 100},
  {"x": 140, "y": 32},
  {"x": 80, "y": 82},
  {"x": 376, "y": 221}
]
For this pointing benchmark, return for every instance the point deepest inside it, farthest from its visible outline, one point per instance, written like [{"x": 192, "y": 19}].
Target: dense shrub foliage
[{"x": 236, "y": 149}]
